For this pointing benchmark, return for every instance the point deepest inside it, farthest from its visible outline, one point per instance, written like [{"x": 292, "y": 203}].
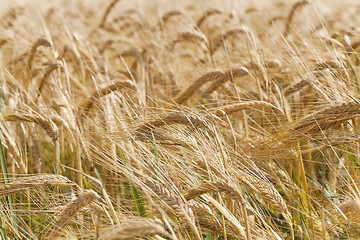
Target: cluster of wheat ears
[{"x": 179, "y": 120}]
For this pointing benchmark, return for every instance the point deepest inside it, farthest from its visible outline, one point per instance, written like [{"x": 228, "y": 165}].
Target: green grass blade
[
  {"x": 352, "y": 158},
  {"x": 3, "y": 223},
  {"x": 138, "y": 201},
  {"x": 135, "y": 193},
  {"x": 6, "y": 180}
]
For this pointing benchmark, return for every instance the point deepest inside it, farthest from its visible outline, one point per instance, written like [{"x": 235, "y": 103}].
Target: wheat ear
[
  {"x": 220, "y": 39},
  {"x": 293, "y": 88},
  {"x": 177, "y": 203},
  {"x": 70, "y": 211},
  {"x": 167, "y": 16},
  {"x": 113, "y": 86},
  {"x": 190, "y": 90},
  {"x": 134, "y": 230},
  {"x": 49, "y": 126},
  {"x": 208, "y": 220},
  {"x": 327, "y": 117},
  {"x": 190, "y": 36},
  {"x": 49, "y": 70},
  {"x": 106, "y": 13},
  {"x": 268, "y": 192},
  {"x": 295, "y": 7},
  {"x": 229, "y": 189},
  {"x": 38, "y": 43},
  {"x": 34, "y": 182},
  {"x": 174, "y": 118},
  {"x": 350, "y": 212},
  {"x": 233, "y": 108},
  {"x": 206, "y": 15},
  {"x": 231, "y": 74}
]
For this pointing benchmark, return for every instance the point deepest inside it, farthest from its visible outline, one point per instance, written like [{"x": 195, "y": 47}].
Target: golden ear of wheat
[
  {"x": 48, "y": 125},
  {"x": 115, "y": 85},
  {"x": 133, "y": 230},
  {"x": 38, "y": 43},
  {"x": 34, "y": 182},
  {"x": 70, "y": 210}
]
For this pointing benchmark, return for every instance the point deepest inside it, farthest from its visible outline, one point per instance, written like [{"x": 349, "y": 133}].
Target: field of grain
[{"x": 201, "y": 120}]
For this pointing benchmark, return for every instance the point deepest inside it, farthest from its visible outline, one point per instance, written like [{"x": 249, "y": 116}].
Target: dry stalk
[
  {"x": 34, "y": 182},
  {"x": 70, "y": 211},
  {"x": 133, "y": 230}
]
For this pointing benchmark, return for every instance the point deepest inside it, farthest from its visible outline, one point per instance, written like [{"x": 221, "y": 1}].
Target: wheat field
[{"x": 201, "y": 120}]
